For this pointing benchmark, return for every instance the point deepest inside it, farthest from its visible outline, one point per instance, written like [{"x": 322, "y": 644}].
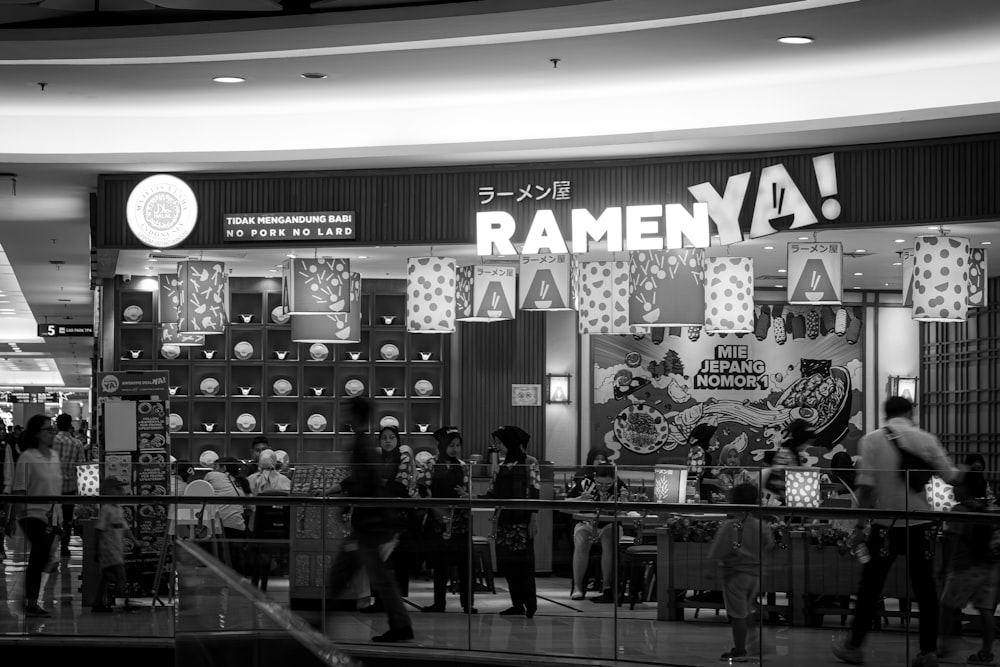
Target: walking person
[
  {"x": 517, "y": 477},
  {"x": 371, "y": 529},
  {"x": 70, "y": 451},
  {"x": 37, "y": 473},
  {"x": 886, "y": 481}
]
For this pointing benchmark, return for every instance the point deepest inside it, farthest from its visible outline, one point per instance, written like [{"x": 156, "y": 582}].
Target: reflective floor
[{"x": 562, "y": 627}]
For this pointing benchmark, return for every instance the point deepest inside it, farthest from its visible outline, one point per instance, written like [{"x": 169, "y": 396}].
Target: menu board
[
  {"x": 151, "y": 425},
  {"x": 120, "y": 467},
  {"x": 312, "y": 480}
]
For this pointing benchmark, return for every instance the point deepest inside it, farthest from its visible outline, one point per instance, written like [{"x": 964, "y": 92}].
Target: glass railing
[{"x": 598, "y": 575}]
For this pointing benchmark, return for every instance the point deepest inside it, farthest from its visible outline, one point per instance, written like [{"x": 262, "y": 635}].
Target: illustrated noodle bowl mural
[{"x": 650, "y": 392}]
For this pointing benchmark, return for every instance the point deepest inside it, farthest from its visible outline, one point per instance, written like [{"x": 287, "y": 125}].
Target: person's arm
[{"x": 948, "y": 471}]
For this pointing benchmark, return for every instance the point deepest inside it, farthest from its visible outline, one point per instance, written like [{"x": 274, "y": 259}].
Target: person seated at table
[
  {"x": 842, "y": 473},
  {"x": 595, "y": 457},
  {"x": 977, "y": 467},
  {"x": 699, "y": 460},
  {"x": 730, "y": 472},
  {"x": 603, "y": 486}
]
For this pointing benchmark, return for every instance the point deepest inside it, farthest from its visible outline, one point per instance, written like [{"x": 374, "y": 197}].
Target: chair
[
  {"x": 198, "y": 522},
  {"x": 482, "y": 564},
  {"x": 270, "y": 533},
  {"x": 638, "y": 560}
]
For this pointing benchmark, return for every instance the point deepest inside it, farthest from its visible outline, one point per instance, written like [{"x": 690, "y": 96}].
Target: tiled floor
[{"x": 562, "y": 627}]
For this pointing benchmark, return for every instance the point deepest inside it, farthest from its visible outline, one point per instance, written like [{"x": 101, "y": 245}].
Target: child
[
  {"x": 972, "y": 571},
  {"x": 110, "y": 532},
  {"x": 736, "y": 549}
]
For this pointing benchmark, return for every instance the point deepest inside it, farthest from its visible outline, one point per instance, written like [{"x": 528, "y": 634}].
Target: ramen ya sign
[{"x": 670, "y": 226}]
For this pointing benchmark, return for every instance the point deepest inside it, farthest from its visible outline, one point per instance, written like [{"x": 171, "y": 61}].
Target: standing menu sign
[{"x": 135, "y": 443}]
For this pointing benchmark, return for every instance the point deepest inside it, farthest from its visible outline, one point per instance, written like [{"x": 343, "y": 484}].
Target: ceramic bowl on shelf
[
  {"x": 388, "y": 420},
  {"x": 135, "y": 354},
  {"x": 282, "y": 427},
  {"x": 426, "y": 356},
  {"x": 278, "y": 315},
  {"x": 243, "y": 350},
  {"x": 173, "y": 390},
  {"x": 389, "y": 391},
  {"x": 316, "y": 422},
  {"x": 282, "y": 387},
  {"x": 423, "y": 428},
  {"x": 354, "y": 387},
  {"x": 354, "y": 356},
  {"x": 423, "y": 387},
  {"x": 170, "y": 351},
  {"x": 389, "y": 352},
  {"x": 208, "y": 458},
  {"x": 388, "y": 319},
  {"x": 246, "y": 317},
  {"x": 208, "y": 426},
  {"x": 246, "y": 391},
  {"x": 209, "y": 386},
  {"x": 174, "y": 422},
  {"x": 318, "y": 352},
  {"x": 208, "y": 354},
  {"x": 132, "y": 314},
  {"x": 317, "y": 391},
  {"x": 281, "y": 354},
  {"x": 246, "y": 422}
]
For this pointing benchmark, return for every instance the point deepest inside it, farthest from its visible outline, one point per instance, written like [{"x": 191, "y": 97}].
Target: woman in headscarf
[
  {"x": 267, "y": 480},
  {"x": 267, "y": 477},
  {"x": 699, "y": 458},
  {"x": 399, "y": 475},
  {"x": 516, "y": 477},
  {"x": 447, "y": 535},
  {"x": 975, "y": 479},
  {"x": 730, "y": 472}
]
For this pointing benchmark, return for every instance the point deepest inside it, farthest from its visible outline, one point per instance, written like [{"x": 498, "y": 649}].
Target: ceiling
[{"x": 445, "y": 83}]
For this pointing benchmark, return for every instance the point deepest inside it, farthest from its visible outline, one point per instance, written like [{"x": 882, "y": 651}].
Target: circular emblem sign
[
  {"x": 109, "y": 384},
  {"x": 161, "y": 211}
]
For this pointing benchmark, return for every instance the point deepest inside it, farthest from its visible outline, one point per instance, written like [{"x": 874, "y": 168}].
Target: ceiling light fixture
[
  {"x": 897, "y": 263},
  {"x": 228, "y": 79},
  {"x": 900, "y": 240},
  {"x": 362, "y": 256},
  {"x": 860, "y": 250},
  {"x": 987, "y": 242},
  {"x": 803, "y": 238},
  {"x": 313, "y": 75},
  {"x": 858, "y": 273},
  {"x": 796, "y": 40},
  {"x": 769, "y": 247}
]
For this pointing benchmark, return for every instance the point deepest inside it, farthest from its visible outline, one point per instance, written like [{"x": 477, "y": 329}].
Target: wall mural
[{"x": 801, "y": 362}]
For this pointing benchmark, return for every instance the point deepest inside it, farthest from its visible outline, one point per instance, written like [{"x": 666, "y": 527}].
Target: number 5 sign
[{"x": 815, "y": 273}]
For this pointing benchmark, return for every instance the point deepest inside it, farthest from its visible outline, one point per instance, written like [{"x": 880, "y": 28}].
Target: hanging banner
[
  {"x": 667, "y": 287},
  {"x": 494, "y": 293},
  {"x": 133, "y": 383},
  {"x": 545, "y": 282},
  {"x": 815, "y": 273}
]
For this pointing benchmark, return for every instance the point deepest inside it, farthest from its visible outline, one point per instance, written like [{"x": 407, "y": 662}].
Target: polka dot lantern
[
  {"x": 88, "y": 479},
  {"x": 602, "y": 299},
  {"x": 729, "y": 295},
  {"x": 802, "y": 487},
  {"x": 940, "y": 495},
  {"x": 977, "y": 277},
  {"x": 940, "y": 279},
  {"x": 430, "y": 295}
]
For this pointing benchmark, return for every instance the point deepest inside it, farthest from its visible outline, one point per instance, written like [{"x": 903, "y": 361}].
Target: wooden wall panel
[{"x": 493, "y": 356}]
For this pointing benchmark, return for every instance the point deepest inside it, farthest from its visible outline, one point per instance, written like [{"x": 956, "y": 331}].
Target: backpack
[{"x": 919, "y": 470}]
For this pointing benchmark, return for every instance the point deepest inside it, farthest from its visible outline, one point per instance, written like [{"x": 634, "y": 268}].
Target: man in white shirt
[{"x": 883, "y": 484}]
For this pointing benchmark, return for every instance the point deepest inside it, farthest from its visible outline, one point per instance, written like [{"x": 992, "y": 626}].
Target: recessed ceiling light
[
  {"x": 313, "y": 75},
  {"x": 935, "y": 228},
  {"x": 149, "y": 268},
  {"x": 887, "y": 284},
  {"x": 273, "y": 270},
  {"x": 900, "y": 240},
  {"x": 860, "y": 250},
  {"x": 803, "y": 238},
  {"x": 782, "y": 270},
  {"x": 897, "y": 263},
  {"x": 228, "y": 79},
  {"x": 796, "y": 39},
  {"x": 858, "y": 273},
  {"x": 780, "y": 285},
  {"x": 362, "y": 256},
  {"x": 769, "y": 247},
  {"x": 291, "y": 254},
  {"x": 987, "y": 242}
]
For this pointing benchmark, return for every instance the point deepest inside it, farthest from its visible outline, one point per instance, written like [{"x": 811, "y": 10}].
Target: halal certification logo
[{"x": 161, "y": 211}]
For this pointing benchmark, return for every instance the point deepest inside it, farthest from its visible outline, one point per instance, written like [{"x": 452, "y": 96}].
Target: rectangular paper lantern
[
  {"x": 333, "y": 328},
  {"x": 940, "y": 279},
  {"x": 430, "y": 295},
  {"x": 815, "y": 273},
  {"x": 940, "y": 495},
  {"x": 802, "y": 487},
  {"x": 977, "y": 277},
  {"x": 908, "y": 278},
  {"x": 494, "y": 290},
  {"x": 603, "y": 289},
  {"x": 169, "y": 312},
  {"x": 545, "y": 282},
  {"x": 319, "y": 286},
  {"x": 670, "y": 483},
  {"x": 667, "y": 287},
  {"x": 202, "y": 297},
  {"x": 729, "y": 295}
]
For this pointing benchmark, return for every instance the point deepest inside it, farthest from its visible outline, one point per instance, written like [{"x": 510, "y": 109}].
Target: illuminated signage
[
  {"x": 326, "y": 225},
  {"x": 58, "y": 330}
]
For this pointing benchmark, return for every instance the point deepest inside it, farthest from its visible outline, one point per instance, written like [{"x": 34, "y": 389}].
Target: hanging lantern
[
  {"x": 487, "y": 293},
  {"x": 430, "y": 295},
  {"x": 802, "y": 487},
  {"x": 907, "y": 256},
  {"x": 334, "y": 328},
  {"x": 940, "y": 279},
  {"x": 729, "y": 295},
  {"x": 815, "y": 273},
  {"x": 812, "y": 324},
  {"x": 763, "y": 323},
  {"x": 602, "y": 290},
  {"x": 545, "y": 282},
  {"x": 169, "y": 306},
  {"x": 202, "y": 305},
  {"x": 977, "y": 277},
  {"x": 319, "y": 286},
  {"x": 667, "y": 287}
]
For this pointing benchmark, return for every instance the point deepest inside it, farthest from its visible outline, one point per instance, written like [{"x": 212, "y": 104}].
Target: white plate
[
  {"x": 354, "y": 387},
  {"x": 282, "y": 387},
  {"x": 388, "y": 420},
  {"x": 389, "y": 352},
  {"x": 316, "y": 422},
  {"x": 132, "y": 314},
  {"x": 170, "y": 351},
  {"x": 208, "y": 458},
  {"x": 246, "y": 422},
  {"x": 243, "y": 350},
  {"x": 278, "y": 315},
  {"x": 318, "y": 351},
  {"x": 209, "y": 386},
  {"x": 423, "y": 387},
  {"x": 175, "y": 422}
]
